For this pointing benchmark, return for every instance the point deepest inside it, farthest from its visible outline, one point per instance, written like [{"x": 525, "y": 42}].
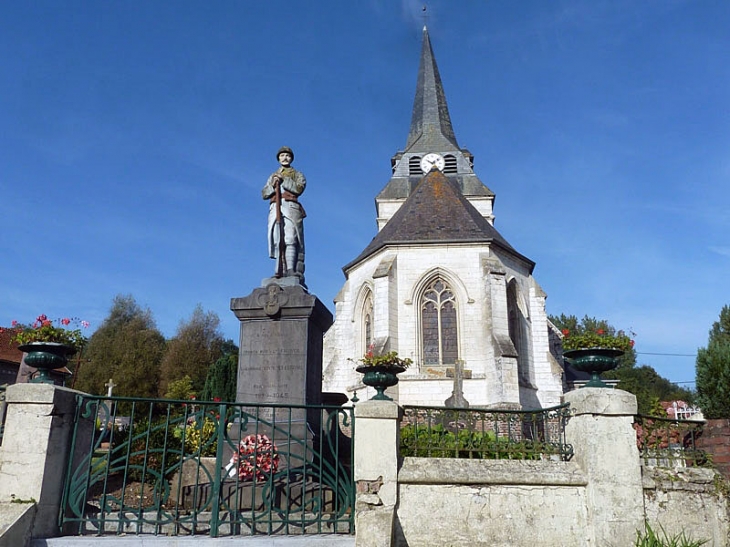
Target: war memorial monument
[{"x": 282, "y": 324}]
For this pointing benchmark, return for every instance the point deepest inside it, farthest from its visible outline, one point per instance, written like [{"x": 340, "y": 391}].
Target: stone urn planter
[
  {"x": 594, "y": 361},
  {"x": 45, "y": 357},
  {"x": 380, "y": 377}
]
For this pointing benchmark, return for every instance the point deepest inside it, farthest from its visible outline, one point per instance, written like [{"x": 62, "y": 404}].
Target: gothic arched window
[
  {"x": 439, "y": 335},
  {"x": 517, "y": 333},
  {"x": 367, "y": 321}
]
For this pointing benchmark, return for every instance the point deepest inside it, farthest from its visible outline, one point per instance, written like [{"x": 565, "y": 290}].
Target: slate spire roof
[
  {"x": 437, "y": 212},
  {"x": 431, "y": 127},
  {"x": 431, "y": 131}
]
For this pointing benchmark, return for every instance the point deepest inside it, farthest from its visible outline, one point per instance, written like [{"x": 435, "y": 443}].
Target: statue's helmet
[{"x": 285, "y": 149}]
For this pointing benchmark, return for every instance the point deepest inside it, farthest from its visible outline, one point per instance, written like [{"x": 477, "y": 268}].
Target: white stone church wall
[{"x": 396, "y": 316}]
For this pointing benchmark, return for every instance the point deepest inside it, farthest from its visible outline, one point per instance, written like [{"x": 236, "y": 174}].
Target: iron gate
[{"x": 187, "y": 467}]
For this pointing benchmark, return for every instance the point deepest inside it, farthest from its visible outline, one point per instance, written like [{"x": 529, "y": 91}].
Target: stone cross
[
  {"x": 110, "y": 385},
  {"x": 457, "y": 399}
]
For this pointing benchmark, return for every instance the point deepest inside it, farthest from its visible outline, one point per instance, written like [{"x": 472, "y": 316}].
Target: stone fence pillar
[
  {"x": 376, "y": 471},
  {"x": 604, "y": 442},
  {"x": 35, "y": 449}
]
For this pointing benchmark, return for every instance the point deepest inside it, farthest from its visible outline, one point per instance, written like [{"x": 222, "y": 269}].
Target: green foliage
[
  {"x": 597, "y": 339},
  {"x": 127, "y": 347},
  {"x": 713, "y": 370},
  {"x": 154, "y": 450},
  {"x": 650, "y": 388},
  {"x": 180, "y": 389},
  {"x": 201, "y": 437},
  {"x": 220, "y": 383},
  {"x": 196, "y": 346},
  {"x": 439, "y": 442},
  {"x": 643, "y": 381},
  {"x": 649, "y": 538}
]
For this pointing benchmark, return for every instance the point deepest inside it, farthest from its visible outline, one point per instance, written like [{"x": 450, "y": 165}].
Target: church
[{"x": 440, "y": 285}]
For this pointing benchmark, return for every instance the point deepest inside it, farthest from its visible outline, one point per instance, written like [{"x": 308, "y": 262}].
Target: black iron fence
[
  {"x": 435, "y": 432},
  {"x": 667, "y": 442},
  {"x": 188, "y": 467}
]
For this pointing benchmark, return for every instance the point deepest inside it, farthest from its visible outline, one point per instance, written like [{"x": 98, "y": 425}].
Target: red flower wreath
[{"x": 257, "y": 456}]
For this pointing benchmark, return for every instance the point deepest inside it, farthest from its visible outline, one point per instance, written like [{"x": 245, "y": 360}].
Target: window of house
[{"x": 439, "y": 334}]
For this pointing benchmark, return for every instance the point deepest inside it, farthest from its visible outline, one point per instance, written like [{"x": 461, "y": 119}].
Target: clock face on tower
[{"x": 429, "y": 161}]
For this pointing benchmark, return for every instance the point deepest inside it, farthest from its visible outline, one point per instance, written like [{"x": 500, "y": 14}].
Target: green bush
[
  {"x": 439, "y": 442},
  {"x": 153, "y": 448},
  {"x": 201, "y": 437}
]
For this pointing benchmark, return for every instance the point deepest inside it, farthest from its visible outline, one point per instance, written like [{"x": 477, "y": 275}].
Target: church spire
[
  {"x": 431, "y": 134},
  {"x": 430, "y": 124}
]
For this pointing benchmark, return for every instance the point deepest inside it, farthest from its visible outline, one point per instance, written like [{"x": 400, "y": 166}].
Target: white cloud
[{"x": 723, "y": 251}]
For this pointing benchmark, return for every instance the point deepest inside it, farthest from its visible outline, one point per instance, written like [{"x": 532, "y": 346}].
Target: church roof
[
  {"x": 431, "y": 127},
  {"x": 431, "y": 131},
  {"x": 436, "y": 212}
]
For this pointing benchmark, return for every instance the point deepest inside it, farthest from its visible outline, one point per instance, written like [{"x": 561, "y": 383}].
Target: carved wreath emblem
[{"x": 272, "y": 300}]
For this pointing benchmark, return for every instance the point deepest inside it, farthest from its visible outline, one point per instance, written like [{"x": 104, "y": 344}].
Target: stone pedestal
[
  {"x": 604, "y": 440},
  {"x": 376, "y": 472},
  {"x": 280, "y": 356},
  {"x": 36, "y": 448}
]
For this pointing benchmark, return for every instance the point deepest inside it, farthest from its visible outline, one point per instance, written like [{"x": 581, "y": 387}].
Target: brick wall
[{"x": 715, "y": 440}]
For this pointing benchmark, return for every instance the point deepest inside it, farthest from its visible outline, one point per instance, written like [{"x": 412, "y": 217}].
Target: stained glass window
[
  {"x": 439, "y": 333},
  {"x": 367, "y": 321}
]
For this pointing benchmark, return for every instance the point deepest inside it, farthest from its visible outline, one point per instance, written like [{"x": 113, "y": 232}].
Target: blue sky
[{"x": 135, "y": 138}]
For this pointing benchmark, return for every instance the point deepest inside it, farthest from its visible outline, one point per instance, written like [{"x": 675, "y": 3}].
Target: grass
[{"x": 649, "y": 538}]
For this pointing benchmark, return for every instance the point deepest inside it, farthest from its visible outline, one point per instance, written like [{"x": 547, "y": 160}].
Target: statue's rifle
[{"x": 281, "y": 265}]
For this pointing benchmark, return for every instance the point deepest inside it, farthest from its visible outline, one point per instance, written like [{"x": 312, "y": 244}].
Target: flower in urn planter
[
  {"x": 370, "y": 359},
  {"x": 44, "y": 330},
  {"x": 597, "y": 339}
]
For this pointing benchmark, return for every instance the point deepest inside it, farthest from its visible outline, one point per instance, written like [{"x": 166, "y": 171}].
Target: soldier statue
[{"x": 286, "y": 215}]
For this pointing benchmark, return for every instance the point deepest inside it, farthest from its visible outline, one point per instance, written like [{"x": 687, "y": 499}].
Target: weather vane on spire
[{"x": 425, "y": 15}]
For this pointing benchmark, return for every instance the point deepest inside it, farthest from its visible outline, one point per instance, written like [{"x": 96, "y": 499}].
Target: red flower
[
  {"x": 14, "y": 323},
  {"x": 65, "y": 321},
  {"x": 565, "y": 332},
  {"x": 216, "y": 399},
  {"x": 257, "y": 456},
  {"x": 47, "y": 323},
  {"x": 600, "y": 331},
  {"x": 631, "y": 343}
]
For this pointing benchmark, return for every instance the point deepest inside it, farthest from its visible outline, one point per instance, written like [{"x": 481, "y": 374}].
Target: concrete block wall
[
  {"x": 687, "y": 499},
  {"x": 601, "y": 497}
]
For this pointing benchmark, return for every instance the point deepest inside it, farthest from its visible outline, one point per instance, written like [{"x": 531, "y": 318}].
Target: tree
[
  {"x": 128, "y": 348},
  {"x": 196, "y": 346},
  {"x": 643, "y": 381},
  {"x": 713, "y": 370},
  {"x": 222, "y": 379},
  {"x": 180, "y": 389}
]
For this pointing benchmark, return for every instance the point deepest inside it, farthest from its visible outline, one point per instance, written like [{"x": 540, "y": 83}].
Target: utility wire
[{"x": 668, "y": 354}]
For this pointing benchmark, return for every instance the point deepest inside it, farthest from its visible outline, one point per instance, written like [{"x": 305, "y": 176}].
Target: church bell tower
[{"x": 439, "y": 284}]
